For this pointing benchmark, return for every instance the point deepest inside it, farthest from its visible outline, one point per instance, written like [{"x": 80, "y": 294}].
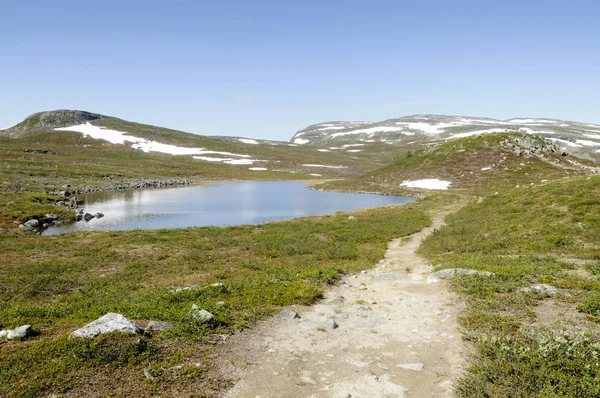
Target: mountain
[
  {"x": 580, "y": 138},
  {"x": 80, "y": 148}
]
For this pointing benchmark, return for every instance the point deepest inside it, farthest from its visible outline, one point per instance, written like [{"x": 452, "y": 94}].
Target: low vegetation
[
  {"x": 474, "y": 165},
  {"x": 60, "y": 282},
  {"x": 528, "y": 344}
]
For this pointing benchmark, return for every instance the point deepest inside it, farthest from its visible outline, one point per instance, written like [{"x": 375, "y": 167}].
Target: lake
[{"x": 215, "y": 204}]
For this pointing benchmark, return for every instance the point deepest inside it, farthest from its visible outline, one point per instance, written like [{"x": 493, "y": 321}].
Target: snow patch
[
  {"x": 326, "y": 166},
  {"x": 486, "y": 168},
  {"x": 316, "y": 175},
  {"x": 258, "y": 168},
  {"x": 301, "y": 141},
  {"x": 596, "y": 136},
  {"x": 354, "y": 150},
  {"x": 248, "y": 141},
  {"x": 370, "y": 130},
  {"x": 565, "y": 142},
  {"x": 121, "y": 137},
  {"x": 351, "y": 145},
  {"x": 227, "y": 160},
  {"x": 588, "y": 143},
  {"x": 427, "y": 128},
  {"x": 428, "y": 183},
  {"x": 323, "y": 150}
]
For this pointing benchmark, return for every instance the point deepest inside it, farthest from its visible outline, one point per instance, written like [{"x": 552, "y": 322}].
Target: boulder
[
  {"x": 110, "y": 322},
  {"x": 31, "y": 224},
  {"x": 88, "y": 216},
  {"x": 288, "y": 314},
  {"x": 450, "y": 272},
  {"x": 540, "y": 288},
  {"x": 158, "y": 326},
  {"x": 201, "y": 314},
  {"x": 99, "y": 215},
  {"x": 21, "y": 332}
]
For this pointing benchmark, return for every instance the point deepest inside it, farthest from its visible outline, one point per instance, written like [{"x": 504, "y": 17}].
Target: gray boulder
[
  {"x": 540, "y": 288},
  {"x": 21, "y": 332},
  {"x": 99, "y": 215},
  {"x": 158, "y": 326},
  {"x": 288, "y": 314},
  {"x": 31, "y": 224},
  {"x": 201, "y": 314},
  {"x": 450, "y": 272},
  {"x": 110, "y": 322},
  {"x": 88, "y": 216}
]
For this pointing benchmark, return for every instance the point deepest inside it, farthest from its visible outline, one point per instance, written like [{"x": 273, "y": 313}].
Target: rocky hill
[
  {"x": 481, "y": 164},
  {"x": 580, "y": 138},
  {"x": 52, "y": 120}
]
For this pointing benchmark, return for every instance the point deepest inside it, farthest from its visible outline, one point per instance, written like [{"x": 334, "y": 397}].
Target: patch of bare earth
[{"x": 397, "y": 337}]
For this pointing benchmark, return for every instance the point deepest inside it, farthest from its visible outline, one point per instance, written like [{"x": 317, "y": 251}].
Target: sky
[{"x": 268, "y": 68}]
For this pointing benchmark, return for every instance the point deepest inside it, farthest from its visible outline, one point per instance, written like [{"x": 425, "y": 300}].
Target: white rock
[{"x": 110, "y": 322}]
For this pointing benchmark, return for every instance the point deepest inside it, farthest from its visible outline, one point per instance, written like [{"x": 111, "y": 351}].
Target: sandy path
[{"x": 390, "y": 320}]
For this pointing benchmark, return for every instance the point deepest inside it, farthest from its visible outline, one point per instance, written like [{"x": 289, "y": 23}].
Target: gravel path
[{"x": 396, "y": 337}]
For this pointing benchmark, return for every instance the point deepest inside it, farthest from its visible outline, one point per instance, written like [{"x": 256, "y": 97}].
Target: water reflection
[{"x": 218, "y": 204}]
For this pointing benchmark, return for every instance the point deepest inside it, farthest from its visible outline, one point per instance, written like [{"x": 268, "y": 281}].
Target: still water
[{"x": 216, "y": 204}]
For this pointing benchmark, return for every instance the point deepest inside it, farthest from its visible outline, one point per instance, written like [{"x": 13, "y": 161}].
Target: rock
[
  {"x": 88, "y": 216},
  {"x": 288, "y": 314},
  {"x": 99, "y": 215},
  {"x": 31, "y": 224},
  {"x": 21, "y": 332},
  {"x": 201, "y": 314},
  {"x": 352, "y": 218},
  {"x": 110, "y": 322},
  {"x": 540, "y": 288},
  {"x": 450, "y": 272},
  {"x": 327, "y": 324},
  {"x": 418, "y": 367},
  {"x": 158, "y": 326}
]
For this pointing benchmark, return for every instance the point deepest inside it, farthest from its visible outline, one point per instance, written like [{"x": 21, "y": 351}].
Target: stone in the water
[
  {"x": 21, "y": 332},
  {"x": 450, "y": 272},
  {"x": 99, "y": 215},
  {"x": 327, "y": 324},
  {"x": 541, "y": 288},
  {"x": 158, "y": 326},
  {"x": 418, "y": 367},
  {"x": 110, "y": 322},
  {"x": 201, "y": 314},
  {"x": 288, "y": 314},
  {"x": 88, "y": 216}
]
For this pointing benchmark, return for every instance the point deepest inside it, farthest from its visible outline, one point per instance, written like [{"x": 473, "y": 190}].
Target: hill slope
[
  {"x": 580, "y": 138},
  {"x": 474, "y": 164}
]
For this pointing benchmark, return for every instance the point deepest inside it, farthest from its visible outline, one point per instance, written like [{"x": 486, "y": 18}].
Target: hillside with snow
[{"x": 580, "y": 138}]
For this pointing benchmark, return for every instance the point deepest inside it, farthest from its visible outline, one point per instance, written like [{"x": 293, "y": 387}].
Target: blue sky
[{"x": 267, "y": 68}]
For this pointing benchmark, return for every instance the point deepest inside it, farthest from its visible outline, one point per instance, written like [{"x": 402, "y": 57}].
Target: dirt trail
[{"x": 391, "y": 322}]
